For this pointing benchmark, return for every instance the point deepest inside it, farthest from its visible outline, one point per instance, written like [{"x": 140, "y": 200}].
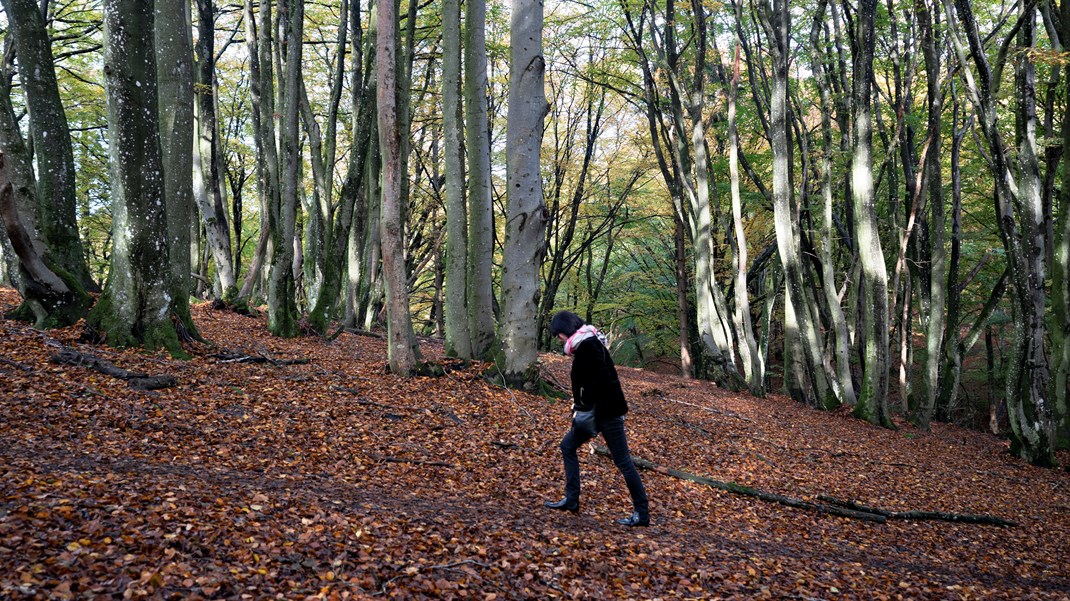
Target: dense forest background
[{"x": 860, "y": 203}]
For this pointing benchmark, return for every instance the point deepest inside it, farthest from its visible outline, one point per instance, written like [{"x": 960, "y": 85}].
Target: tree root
[
  {"x": 137, "y": 381},
  {"x": 831, "y": 505}
]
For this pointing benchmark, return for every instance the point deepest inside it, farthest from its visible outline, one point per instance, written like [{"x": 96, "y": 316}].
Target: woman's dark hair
[{"x": 565, "y": 322}]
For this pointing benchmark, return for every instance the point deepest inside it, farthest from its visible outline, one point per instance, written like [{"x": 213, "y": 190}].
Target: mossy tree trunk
[{"x": 135, "y": 308}]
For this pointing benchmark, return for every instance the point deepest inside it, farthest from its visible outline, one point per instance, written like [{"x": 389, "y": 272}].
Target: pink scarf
[{"x": 582, "y": 334}]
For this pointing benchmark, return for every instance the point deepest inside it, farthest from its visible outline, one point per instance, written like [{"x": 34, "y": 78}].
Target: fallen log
[
  {"x": 962, "y": 518},
  {"x": 747, "y": 491},
  {"x": 137, "y": 381},
  {"x": 830, "y": 505}
]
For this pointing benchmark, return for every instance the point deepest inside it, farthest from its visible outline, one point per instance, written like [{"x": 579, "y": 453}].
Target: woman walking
[{"x": 596, "y": 389}]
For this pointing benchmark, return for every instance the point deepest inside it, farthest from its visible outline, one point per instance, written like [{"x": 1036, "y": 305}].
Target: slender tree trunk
[
  {"x": 1060, "y": 276},
  {"x": 401, "y": 352},
  {"x": 526, "y": 216},
  {"x": 801, "y": 326},
  {"x": 873, "y": 397},
  {"x": 937, "y": 313},
  {"x": 207, "y": 170},
  {"x": 1019, "y": 210},
  {"x": 687, "y": 366},
  {"x": 841, "y": 337},
  {"x": 480, "y": 294},
  {"x": 282, "y": 304},
  {"x": 952, "y": 369},
  {"x": 748, "y": 349},
  {"x": 135, "y": 308},
  {"x": 455, "y": 313},
  {"x": 266, "y": 161}
]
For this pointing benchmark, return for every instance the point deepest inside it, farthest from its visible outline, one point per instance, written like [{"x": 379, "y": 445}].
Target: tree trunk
[
  {"x": 873, "y": 397},
  {"x": 455, "y": 314},
  {"x": 263, "y": 138},
  {"x": 208, "y": 159},
  {"x": 952, "y": 369},
  {"x": 802, "y": 334},
  {"x": 135, "y": 308},
  {"x": 53, "y": 154},
  {"x": 480, "y": 295},
  {"x": 282, "y": 304},
  {"x": 402, "y": 353},
  {"x": 1019, "y": 210},
  {"x": 753, "y": 365},
  {"x": 841, "y": 337},
  {"x": 526, "y": 216},
  {"x": 935, "y": 341},
  {"x": 174, "y": 70},
  {"x": 1060, "y": 276}
]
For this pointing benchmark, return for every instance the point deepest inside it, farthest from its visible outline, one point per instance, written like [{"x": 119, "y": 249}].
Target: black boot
[
  {"x": 564, "y": 505},
  {"x": 635, "y": 520}
]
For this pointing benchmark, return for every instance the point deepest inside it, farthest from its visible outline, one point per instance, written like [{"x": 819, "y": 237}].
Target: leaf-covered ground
[{"x": 334, "y": 479}]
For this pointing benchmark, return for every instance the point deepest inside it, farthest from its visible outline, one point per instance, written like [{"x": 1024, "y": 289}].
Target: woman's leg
[
  {"x": 613, "y": 433},
  {"x": 572, "y": 441}
]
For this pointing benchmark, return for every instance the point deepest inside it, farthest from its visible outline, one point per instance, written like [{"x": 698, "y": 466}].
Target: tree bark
[
  {"x": 455, "y": 313},
  {"x": 480, "y": 295},
  {"x": 135, "y": 307},
  {"x": 402, "y": 353},
  {"x": 208, "y": 159},
  {"x": 526, "y": 215},
  {"x": 841, "y": 337},
  {"x": 873, "y": 397},
  {"x": 54, "y": 155},
  {"x": 282, "y": 304},
  {"x": 748, "y": 349},
  {"x": 819, "y": 388},
  {"x": 174, "y": 70},
  {"x": 935, "y": 341},
  {"x": 1020, "y": 215}
]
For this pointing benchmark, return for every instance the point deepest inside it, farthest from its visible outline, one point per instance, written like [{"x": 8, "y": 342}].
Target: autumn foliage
[{"x": 262, "y": 475}]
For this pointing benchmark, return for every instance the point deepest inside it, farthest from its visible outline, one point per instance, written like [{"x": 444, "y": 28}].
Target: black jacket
[{"x": 594, "y": 381}]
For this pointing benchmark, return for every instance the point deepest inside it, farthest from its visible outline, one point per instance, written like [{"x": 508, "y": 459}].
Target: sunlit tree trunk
[
  {"x": 841, "y": 337},
  {"x": 802, "y": 335},
  {"x": 526, "y": 214},
  {"x": 455, "y": 314},
  {"x": 135, "y": 308},
  {"x": 753, "y": 365},
  {"x": 174, "y": 70},
  {"x": 401, "y": 350},
  {"x": 873, "y": 397}
]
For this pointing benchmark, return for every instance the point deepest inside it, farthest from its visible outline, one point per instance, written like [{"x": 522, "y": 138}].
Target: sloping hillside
[{"x": 262, "y": 474}]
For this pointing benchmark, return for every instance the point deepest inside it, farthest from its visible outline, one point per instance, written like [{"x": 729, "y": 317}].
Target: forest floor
[{"x": 334, "y": 479}]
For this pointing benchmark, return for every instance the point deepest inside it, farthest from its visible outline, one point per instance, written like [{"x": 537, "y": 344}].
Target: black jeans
[{"x": 613, "y": 433}]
